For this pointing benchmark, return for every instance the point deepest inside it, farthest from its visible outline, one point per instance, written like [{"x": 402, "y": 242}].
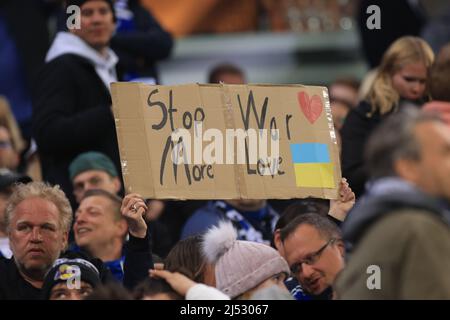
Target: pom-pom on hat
[{"x": 239, "y": 265}]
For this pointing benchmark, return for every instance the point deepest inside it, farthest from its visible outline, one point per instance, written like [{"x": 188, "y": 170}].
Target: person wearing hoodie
[
  {"x": 72, "y": 102},
  {"x": 397, "y": 236}
]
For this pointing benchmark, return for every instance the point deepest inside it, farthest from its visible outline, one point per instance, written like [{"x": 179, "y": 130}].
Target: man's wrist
[
  {"x": 339, "y": 217},
  {"x": 139, "y": 233},
  {"x": 139, "y": 244}
]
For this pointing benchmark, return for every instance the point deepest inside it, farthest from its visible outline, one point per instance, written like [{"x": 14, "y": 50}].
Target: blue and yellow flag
[{"x": 312, "y": 165}]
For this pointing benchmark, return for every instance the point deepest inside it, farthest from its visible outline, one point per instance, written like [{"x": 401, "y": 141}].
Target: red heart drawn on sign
[{"x": 311, "y": 108}]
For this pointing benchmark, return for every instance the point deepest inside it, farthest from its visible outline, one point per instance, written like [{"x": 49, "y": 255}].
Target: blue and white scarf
[{"x": 266, "y": 218}]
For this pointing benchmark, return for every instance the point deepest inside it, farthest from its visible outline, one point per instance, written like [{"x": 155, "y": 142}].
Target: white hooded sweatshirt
[{"x": 66, "y": 43}]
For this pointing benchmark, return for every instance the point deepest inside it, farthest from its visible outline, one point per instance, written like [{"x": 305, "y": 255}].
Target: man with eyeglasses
[{"x": 313, "y": 248}]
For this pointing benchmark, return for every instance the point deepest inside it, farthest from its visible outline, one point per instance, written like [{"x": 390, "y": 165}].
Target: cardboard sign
[{"x": 198, "y": 141}]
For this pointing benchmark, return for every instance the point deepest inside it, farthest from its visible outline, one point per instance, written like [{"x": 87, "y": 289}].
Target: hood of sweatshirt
[
  {"x": 382, "y": 197},
  {"x": 68, "y": 43}
]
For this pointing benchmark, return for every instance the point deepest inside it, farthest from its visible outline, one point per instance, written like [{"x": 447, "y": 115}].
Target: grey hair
[
  {"x": 326, "y": 228},
  {"x": 395, "y": 139},
  {"x": 42, "y": 190}
]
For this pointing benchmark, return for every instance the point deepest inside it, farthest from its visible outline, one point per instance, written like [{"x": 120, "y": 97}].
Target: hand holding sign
[
  {"x": 133, "y": 208},
  {"x": 341, "y": 206}
]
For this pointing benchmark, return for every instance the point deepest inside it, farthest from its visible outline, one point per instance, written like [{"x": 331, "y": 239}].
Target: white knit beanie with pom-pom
[{"x": 239, "y": 265}]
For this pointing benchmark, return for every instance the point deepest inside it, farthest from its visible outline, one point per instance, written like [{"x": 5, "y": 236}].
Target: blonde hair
[
  {"x": 405, "y": 50},
  {"x": 44, "y": 191}
]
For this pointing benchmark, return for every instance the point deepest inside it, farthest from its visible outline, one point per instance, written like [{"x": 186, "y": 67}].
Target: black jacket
[
  {"x": 13, "y": 286},
  {"x": 139, "y": 50},
  {"x": 138, "y": 260},
  {"x": 375, "y": 41},
  {"x": 358, "y": 126},
  {"x": 71, "y": 114}
]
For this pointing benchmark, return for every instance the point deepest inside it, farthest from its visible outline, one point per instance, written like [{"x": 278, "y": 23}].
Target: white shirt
[{"x": 4, "y": 248}]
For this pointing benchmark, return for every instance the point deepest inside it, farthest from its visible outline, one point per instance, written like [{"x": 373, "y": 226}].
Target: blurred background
[{"x": 284, "y": 41}]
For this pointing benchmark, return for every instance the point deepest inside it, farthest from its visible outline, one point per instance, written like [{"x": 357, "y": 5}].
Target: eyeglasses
[{"x": 312, "y": 258}]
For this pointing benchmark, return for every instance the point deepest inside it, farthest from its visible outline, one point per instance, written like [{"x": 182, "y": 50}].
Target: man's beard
[{"x": 36, "y": 273}]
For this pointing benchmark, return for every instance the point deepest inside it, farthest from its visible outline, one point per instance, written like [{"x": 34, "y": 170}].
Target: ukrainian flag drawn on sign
[{"x": 312, "y": 165}]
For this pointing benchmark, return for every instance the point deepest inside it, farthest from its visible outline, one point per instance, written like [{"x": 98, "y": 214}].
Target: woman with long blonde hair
[{"x": 400, "y": 82}]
